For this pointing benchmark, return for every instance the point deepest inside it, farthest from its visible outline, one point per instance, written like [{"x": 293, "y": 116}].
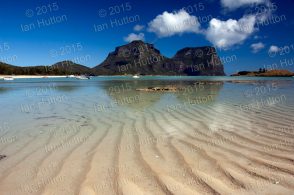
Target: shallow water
[{"x": 221, "y": 135}]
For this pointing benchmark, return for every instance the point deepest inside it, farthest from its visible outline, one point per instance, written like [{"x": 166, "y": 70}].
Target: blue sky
[{"x": 248, "y": 34}]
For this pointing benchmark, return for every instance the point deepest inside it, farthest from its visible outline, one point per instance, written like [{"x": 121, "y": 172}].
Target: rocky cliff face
[
  {"x": 142, "y": 58},
  {"x": 135, "y": 58},
  {"x": 199, "y": 61}
]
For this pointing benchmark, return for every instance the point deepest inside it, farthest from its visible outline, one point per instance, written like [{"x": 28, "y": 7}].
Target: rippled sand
[{"x": 212, "y": 148}]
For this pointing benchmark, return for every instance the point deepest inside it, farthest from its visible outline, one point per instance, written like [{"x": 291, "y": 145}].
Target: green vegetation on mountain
[{"x": 136, "y": 57}]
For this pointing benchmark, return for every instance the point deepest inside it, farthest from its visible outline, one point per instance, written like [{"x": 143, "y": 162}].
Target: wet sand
[
  {"x": 157, "y": 153},
  {"x": 201, "y": 149}
]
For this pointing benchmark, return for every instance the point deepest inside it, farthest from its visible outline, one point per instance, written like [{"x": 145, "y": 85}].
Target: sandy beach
[{"x": 212, "y": 147}]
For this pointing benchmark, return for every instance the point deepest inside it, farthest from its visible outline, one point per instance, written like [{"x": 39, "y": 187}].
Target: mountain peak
[
  {"x": 137, "y": 42},
  {"x": 139, "y": 57},
  {"x": 65, "y": 63}
]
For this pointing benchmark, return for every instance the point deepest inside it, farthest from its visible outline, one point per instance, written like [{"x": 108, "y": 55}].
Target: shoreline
[
  {"x": 65, "y": 76},
  {"x": 32, "y": 76}
]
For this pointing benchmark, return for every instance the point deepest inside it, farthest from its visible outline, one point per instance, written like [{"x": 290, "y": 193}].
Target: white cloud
[
  {"x": 169, "y": 24},
  {"x": 133, "y": 37},
  {"x": 235, "y": 4},
  {"x": 273, "y": 49},
  {"x": 139, "y": 27},
  {"x": 225, "y": 34},
  {"x": 221, "y": 33},
  {"x": 256, "y": 47}
]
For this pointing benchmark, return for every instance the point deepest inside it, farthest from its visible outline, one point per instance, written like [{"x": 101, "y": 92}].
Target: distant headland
[{"x": 265, "y": 73}]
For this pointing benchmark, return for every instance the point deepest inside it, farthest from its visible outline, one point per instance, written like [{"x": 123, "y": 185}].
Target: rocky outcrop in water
[
  {"x": 2, "y": 157},
  {"x": 166, "y": 88}
]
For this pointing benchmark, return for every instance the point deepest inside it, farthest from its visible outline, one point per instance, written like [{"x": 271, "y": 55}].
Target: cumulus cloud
[
  {"x": 169, "y": 24},
  {"x": 225, "y": 34},
  {"x": 273, "y": 49},
  {"x": 133, "y": 37},
  {"x": 139, "y": 27},
  {"x": 256, "y": 47},
  {"x": 221, "y": 33},
  {"x": 235, "y": 4}
]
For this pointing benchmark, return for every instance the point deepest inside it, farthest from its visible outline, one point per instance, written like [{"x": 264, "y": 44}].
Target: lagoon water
[{"x": 216, "y": 135}]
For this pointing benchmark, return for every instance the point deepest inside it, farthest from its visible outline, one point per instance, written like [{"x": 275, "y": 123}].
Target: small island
[{"x": 265, "y": 73}]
